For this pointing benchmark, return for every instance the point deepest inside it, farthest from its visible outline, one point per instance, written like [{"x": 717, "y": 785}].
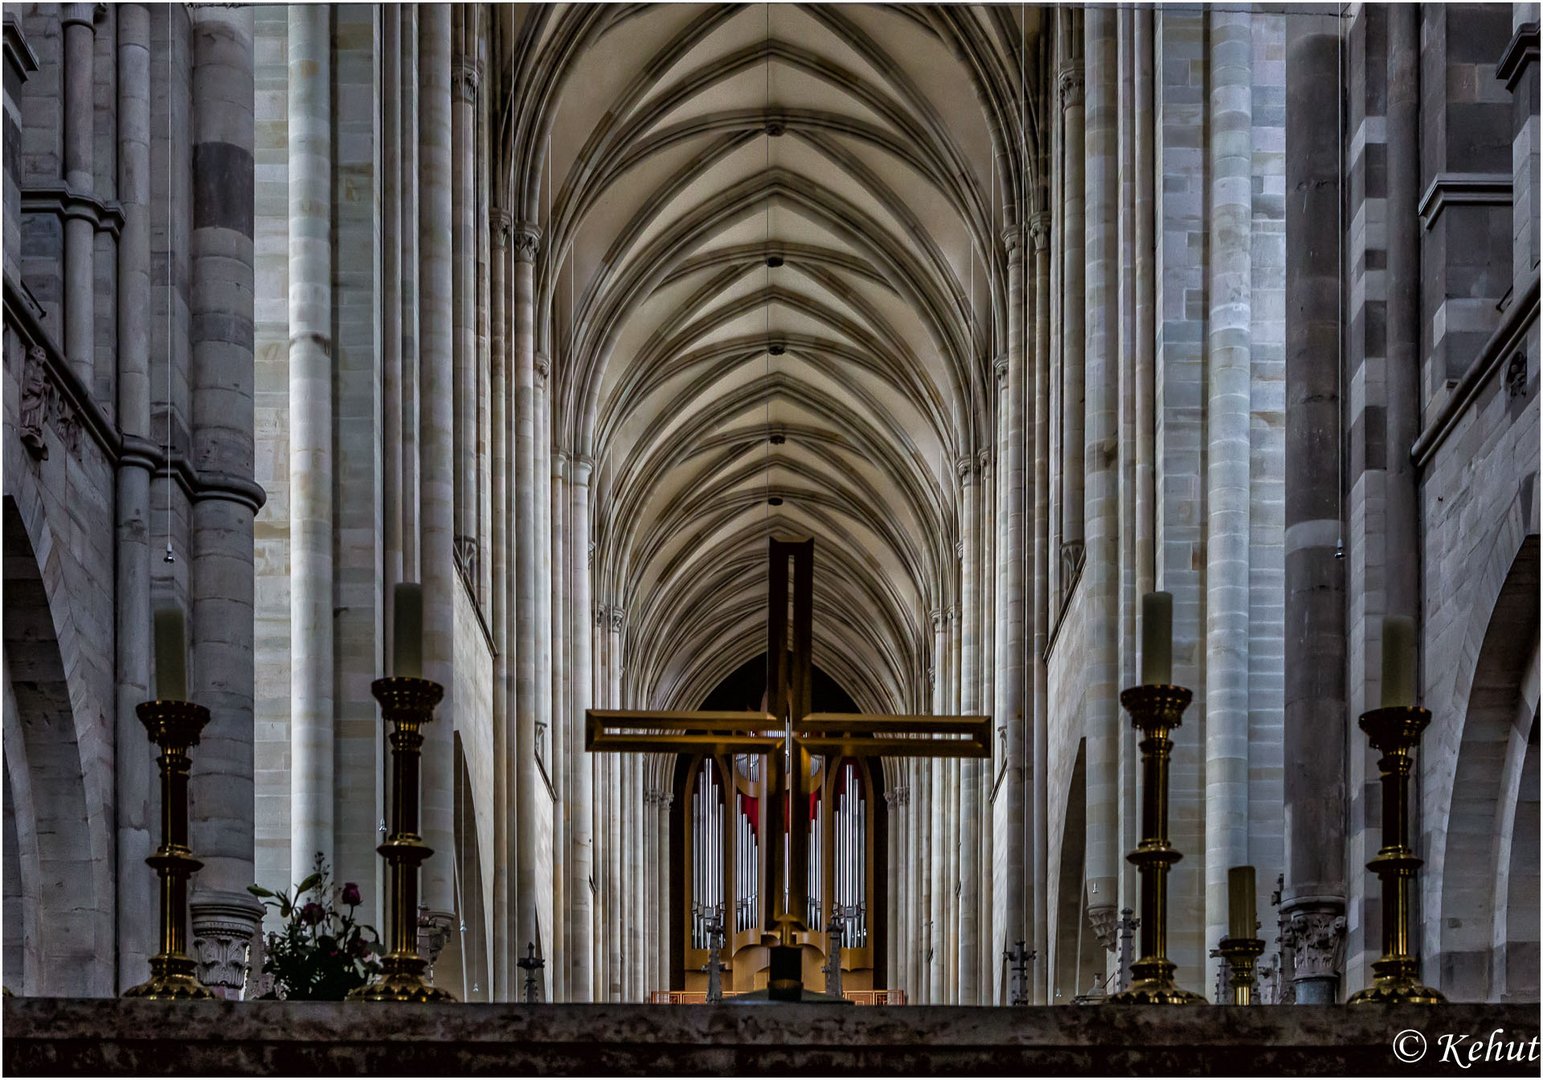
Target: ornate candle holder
[
  {"x": 1396, "y": 732},
  {"x": 1155, "y": 710},
  {"x": 1241, "y": 953},
  {"x": 407, "y": 704},
  {"x": 174, "y": 727}
]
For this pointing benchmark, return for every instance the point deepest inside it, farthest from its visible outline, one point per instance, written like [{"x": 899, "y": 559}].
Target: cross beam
[{"x": 788, "y": 734}]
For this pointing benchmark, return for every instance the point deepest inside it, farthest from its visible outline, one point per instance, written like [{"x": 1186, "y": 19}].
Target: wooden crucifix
[{"x": 787, "y": 735}]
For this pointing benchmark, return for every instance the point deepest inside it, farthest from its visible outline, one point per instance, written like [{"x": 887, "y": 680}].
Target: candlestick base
[
  {"x": 172, "y": 978},
  {"x": 401, "y": 979},
  {"x": 1153, "y": 985},
  {"x": 1397, "y": 982},
  {"x": 1241, "y": 954}
]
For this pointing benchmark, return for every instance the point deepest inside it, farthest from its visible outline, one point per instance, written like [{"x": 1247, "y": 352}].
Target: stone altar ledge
[{"x": 54, "y": 1036}]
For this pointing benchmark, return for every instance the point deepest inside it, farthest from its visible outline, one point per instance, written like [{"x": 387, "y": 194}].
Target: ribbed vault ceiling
[{"x": 766, "y": 274}]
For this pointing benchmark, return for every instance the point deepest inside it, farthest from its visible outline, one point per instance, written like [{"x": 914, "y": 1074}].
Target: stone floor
[{"x": 104, "y": 1037}]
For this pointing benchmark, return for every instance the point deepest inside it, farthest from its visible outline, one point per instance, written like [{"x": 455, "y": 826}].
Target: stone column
[
  {"x": 463, "y": 84},
  {"x": 967, "y": 973},
  {"x": 310, "y": 435},
  {"x": 526, "y": 239},
  {"x": 541, "y": 466},
  {"x": 913, "y": 894},
  {"x": 1013, "y": 658},
  {"x": 504, "y": 977},
  {"x": 1229, "y": 122},
  {"x": 985, "y": 838},
  {"x": 435, "y": 446},
  {"x": 1402, "y": 372},
  {"x": 407, "y": 92},
  {"x": 557, "y": 553},
  {"x": 1315, "y": 706},
  {"x": 1100, "y": 576},
  {"x": 892, "y": 928},
  {"x": 1034, "y": 910},
  {"x": 580, "y": 790},
  {"x": 614, "y": 923},
  {"x": 1069, "y": 84},
  {"x": 358, "y": 628},
  {"x": 77, "y": 24},
  {"x": 634, "y": 821},
  {"x": 651, "y": 875},
  {"x": 1144, "y": 525},
  {"x": 1518, "y": 68},
  {"x": 135, "y": 777},
  {"x": 224, "y": 914},
  {"x": 391, "y": 319},
  {"x": 937, "y": 868},
  {"x": 666, "y": 956}
]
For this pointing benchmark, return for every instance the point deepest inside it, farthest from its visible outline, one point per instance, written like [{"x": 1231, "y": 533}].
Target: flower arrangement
[{"x": 322, "y": 952}]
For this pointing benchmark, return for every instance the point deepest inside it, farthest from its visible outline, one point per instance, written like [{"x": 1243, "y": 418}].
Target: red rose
[
  {"x": 312, "y": 914},
  {"x": 351, "y": 895}
]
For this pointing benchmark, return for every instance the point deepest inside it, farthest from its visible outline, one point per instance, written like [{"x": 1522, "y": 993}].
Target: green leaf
[
  {"x": 258, "y": 890},
  {"x": 307, "y": 885}
]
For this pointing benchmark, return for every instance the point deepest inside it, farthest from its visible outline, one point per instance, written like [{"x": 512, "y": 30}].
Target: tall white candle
[
  {"x": 407, "y": 631},
  {"x": 171, "y": 655},
  {"x": 1157, "y": 638},
  {"x": 1398, "y": 661}
]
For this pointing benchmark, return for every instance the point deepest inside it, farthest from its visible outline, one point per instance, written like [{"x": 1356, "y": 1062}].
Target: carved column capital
[
  {"x": 617, "y": 618},
  {"x": 527, "y": 241},
  {"x": 983, "y": 461},
  {"x": 82, "y": 14},
  {"x": 434, "y": 929},
  {"x": 465, "y": 79},
  {"x": 224, "y": 926},
  {"x": 965, "y": 466},
  {"x": 1013, "y": 238},
  {"x": 1039, "y": 229},
  {"x": 1069, "y": 85},
  {"x": 499, "y": 224},
  {"x": 999, "y": 368},
  {"x": 543, "y": 365},
  {"x": 1317, "y": 939},
  {"x": 1105, "y": 922}
]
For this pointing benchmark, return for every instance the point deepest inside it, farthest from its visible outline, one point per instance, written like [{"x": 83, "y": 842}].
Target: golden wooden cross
[{"x": 787, "y": 734}]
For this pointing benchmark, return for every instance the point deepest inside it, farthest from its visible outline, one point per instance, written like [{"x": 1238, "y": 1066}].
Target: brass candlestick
[
  {"x": 174, "y": 727},
  {"x": 1241, "y": 954},
  {"x": 1396, "y": 732},
  {"x": 1155, "y": 710},
  {"x": 407, "y": 704}
]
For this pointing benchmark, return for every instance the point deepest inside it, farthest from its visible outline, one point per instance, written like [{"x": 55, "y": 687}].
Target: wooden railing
[{"x": 699, "y": 997}]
